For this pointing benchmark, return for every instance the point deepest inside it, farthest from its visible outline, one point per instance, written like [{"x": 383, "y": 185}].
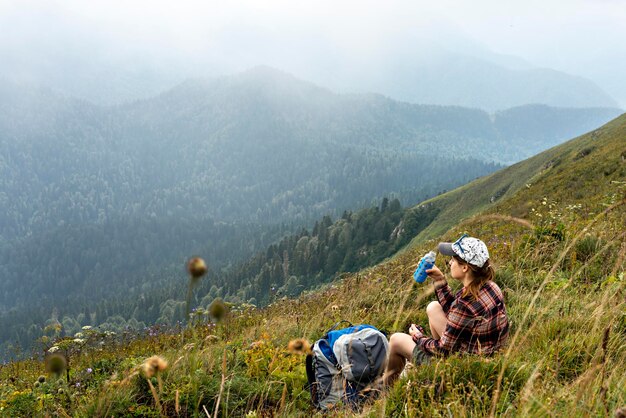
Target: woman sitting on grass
[{"x": 472, "y": 321}]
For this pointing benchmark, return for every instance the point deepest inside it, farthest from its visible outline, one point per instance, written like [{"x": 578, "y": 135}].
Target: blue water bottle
[{"x": 426, "y": 263}]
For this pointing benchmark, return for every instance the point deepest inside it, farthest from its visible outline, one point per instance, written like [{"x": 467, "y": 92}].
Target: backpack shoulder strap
[{"x": 334, "y": 327}]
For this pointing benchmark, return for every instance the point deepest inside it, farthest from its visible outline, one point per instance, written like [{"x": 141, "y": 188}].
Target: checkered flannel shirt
[{"x": 474, "y": 326}]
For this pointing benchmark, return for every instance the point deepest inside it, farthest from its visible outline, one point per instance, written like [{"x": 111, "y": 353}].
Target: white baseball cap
[{"x": 472, "y": 250}]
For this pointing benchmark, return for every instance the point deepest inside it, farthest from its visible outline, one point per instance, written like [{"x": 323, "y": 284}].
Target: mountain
[
  {"x": 454, "y": 78},
  {"x": 92, "y": 195},
  {"x": 554, "y": 227}
]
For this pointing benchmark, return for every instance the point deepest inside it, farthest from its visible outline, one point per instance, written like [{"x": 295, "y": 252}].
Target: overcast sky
[{"x": 581, "y": 37}]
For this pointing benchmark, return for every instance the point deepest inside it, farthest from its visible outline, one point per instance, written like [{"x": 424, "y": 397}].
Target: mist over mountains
[
  {"x": 258, "y": 145},
  {"x": 486, "y": 81},
  {"x": 427, "y": 61}
]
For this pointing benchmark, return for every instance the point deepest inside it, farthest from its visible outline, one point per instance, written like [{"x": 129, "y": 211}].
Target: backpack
[{"x": 345, "y": 365}]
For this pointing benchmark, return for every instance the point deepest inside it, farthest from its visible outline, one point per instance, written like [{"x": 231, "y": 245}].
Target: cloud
[{"x": 568, "y": 35}]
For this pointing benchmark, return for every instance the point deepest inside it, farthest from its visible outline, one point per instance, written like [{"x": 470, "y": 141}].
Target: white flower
[
  {"x": 79, "y": 340},
  {"x": 53, "y": 349},
  {"x": 78, "y": 335},
  {"x": 86, "y": 327}
]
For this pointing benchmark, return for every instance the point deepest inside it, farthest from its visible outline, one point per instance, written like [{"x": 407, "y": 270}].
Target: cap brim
[{"x": 445, "y": 248}]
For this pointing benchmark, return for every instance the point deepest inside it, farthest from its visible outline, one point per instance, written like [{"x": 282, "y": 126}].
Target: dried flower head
[
  {"x": 218, "y": 309},
  {"x": 299, "y": 346},
  {"x": 196, "y": 267},
  {"x": 56, "y": 363},
  {"x": 153, "y": 365}
]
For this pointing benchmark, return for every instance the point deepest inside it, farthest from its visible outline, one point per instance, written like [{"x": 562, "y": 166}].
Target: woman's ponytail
[{"x": 480, "y": 275}]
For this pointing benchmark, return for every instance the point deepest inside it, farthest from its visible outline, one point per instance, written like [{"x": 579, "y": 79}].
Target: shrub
[
  {"x": 550, "y": 232},
  {"x": 20, "y": 404},
  {"x": 587, "y": 247}
]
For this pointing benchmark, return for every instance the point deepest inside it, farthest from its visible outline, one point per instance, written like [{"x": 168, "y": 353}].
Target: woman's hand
[
  {"x": 415, "y": 332},
  {"x": 439, "y": 279}
]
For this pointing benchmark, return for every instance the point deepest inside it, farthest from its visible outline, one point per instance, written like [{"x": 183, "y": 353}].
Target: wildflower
[
  {"x": 79, "y": 340},
  {"x": 78, "y": 335},
  {"x": 53, "y": 349},
  {"x": 77, "y": 384},
  {"x": 299, "y": 346},
  {"x": 153, "y": 365},
  {"x": 89, "y": 370},
  {"x": 86, "y": 328},
  {"x": 196, "y": 267}
]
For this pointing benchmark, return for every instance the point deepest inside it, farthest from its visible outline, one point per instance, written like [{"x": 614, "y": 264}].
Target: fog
[{"x": 143, "y": 47}]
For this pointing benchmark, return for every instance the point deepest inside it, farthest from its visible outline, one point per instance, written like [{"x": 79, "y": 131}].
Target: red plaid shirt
[{"x": 474, "y": 326}]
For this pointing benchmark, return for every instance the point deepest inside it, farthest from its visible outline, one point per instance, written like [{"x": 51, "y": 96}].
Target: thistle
[
  {"x": 56, "y": 364},
  {"x": 299, "y": 346},
  {"x": 152, "y": 367},
  {"x": 196, "y": 267},
  {"x": 218, "y": 309}
]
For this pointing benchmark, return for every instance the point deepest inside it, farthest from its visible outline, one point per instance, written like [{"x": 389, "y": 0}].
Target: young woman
[{"x": 472, "y": 321}]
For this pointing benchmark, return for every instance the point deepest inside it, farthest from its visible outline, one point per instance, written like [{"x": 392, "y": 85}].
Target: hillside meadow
[{"x": 559, "y": 244}]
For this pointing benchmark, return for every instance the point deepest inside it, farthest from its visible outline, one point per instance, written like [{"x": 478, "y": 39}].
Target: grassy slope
[
  {"x": 488, "y": 191},
  {"x": 560, "y": 248}
]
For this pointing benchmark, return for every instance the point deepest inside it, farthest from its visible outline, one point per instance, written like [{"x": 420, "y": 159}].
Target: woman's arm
[
  {"x": 442, "y": 288},
  {"x": 458, "y": 330}
]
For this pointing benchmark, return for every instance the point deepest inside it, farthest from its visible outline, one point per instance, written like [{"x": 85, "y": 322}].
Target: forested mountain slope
[
  {"x": 92, "y": 195},
  {"x": 258, "y": 146},
  {"x": 556, "y": 236}
]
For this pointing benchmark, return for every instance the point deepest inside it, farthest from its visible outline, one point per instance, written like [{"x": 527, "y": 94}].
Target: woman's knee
[
  {"x": 433, "y": 308},
  {"x": 401, "y": 344},
  {"x": 395, "y": 340}
]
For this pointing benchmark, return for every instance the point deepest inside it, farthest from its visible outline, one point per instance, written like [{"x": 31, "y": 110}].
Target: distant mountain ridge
[
  {"x": 214, "y": 144},
  {"x": 463, "y": 80},
  {"x": 418, "y": 67}
]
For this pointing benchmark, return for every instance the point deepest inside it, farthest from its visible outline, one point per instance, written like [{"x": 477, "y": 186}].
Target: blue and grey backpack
[{"x": 346, "y": 365}]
